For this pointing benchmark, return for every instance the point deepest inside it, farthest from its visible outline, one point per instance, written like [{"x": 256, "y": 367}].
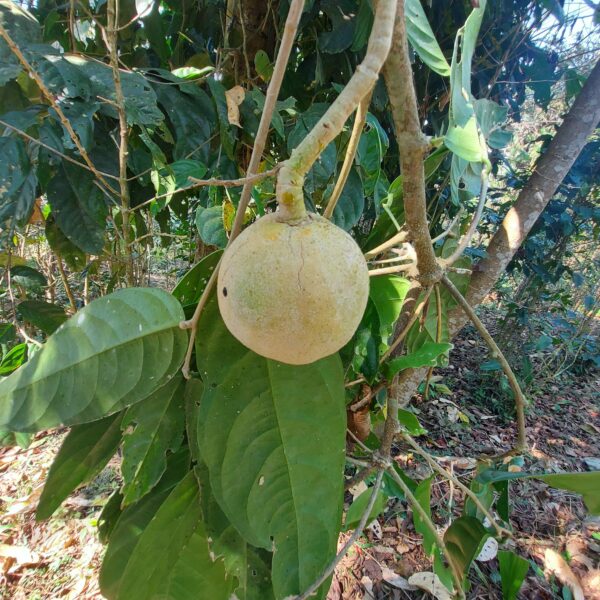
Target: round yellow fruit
[{"x": 293, "y": 293}]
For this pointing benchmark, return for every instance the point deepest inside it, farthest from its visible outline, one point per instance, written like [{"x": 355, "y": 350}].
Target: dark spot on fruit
[{"x": 225, "y": 292}]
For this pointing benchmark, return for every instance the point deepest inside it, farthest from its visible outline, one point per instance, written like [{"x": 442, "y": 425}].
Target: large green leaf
[
  {"x": 586, "y": 484},
  {"x": 78, "y": 207},
  {"x": 210, "y": 225},
  {"x": 272, "y": 436},
  {"x": 513, "y": 570},
  {"x": 126, "y": 533},
  {"x": 423, "y": 496},
  {"x": 152, "y": 428},
  {"x": 84, "y": 453},
  {"x": 423, "y": 40},
  {"x": 463, "y": 540},
  {"x": 113, "y": 353},
  {"x": 44, "y": 315},
  {"x": 173, "y": 553}
]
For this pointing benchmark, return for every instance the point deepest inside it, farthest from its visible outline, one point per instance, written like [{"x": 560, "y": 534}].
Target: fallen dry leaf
[
  {"x": 396, "y": 580},
  {"x": 234, "y": 97},
  {"x": 431, "y": 583},
  {"x": 556, "y": 564}
]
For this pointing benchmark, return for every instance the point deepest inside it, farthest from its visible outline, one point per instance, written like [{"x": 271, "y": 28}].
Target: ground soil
[{"x": 60, "y": 558}]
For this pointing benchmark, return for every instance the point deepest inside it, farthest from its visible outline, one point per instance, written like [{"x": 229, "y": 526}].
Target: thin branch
[
  {"x": 466, "y": 239},
  {"x": 520, "y": 401},
  {"x": 391, "y": 270},
  {"x": 291, "y": 26},
  {"x": 290, "y": 194},
  {"x": 357, "y": 533},
  {"x": 438, "y": 335},
  {"x": 456, "y": 576},
  {"x": 213, "y": 181},
  {"x": 433, "y": 463},
  {"x": 398, "y": 238},
  {"x": 449, "y": 228},
  {"x": 54, "y": 150},
  {"x": 61, "y": 115},
  {"x": 413, "y": 144},
  {"x": 410, "y": 323},
  {"x": 111, "y": 40},
  {"x": 357, "y": 129},
  {"x": 65, "y": 282}
]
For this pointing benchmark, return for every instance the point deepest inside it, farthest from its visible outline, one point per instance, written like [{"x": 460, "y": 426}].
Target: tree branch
[
  {"x": 520, "y": 401},
  {"x": 413, "y": 145},
  {"x": 357, "y": 129}
]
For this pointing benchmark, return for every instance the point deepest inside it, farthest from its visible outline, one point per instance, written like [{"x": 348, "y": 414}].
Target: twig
[
  {"x": 291, "y": 26},
  {"x": 111, "y": 40},
  {"x": 213, "y": 181},
  {"x": 438, "y": 335},
  {"x": 357, "y": 533},
  {"x": 244, "y": 42},
  {"x": 357, "y": 129},
  {"x": 411, "y": 322},
  {"x": 366, "y": 399},
  {"x": 65, "y": 282},
  {"x": 360, "y": 444},
  {"x": 398, "y": 238},
  {"x": 500, "y": 531},
  {"x": 450, "y": 227},
  {"x": 61, "y": 115},
  {"x": 391, "y": 270},
  {"x": 398, "y": 75},
  {"x": 290, "y": 182},
  {"x": 520, "y": 401},
  {"x": 456, "y": 576},
  {"x": 466, "y": 239},
  {"x": 54, "y": 150}
]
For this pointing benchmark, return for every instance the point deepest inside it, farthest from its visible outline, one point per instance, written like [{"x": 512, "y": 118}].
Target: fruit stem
[{"x": 291, "y": 177}]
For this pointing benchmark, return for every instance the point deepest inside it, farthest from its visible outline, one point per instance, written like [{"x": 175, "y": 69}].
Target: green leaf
[
  {"x": 109, "y": 516},
  {"x": 62, "y": 246},
  {"x": 24, "y": 30},
  {"x": 359, "y": 505},
  {"x": 78, "y": 207},
  {"x": 464, "y": 539},
  {"x": 12, "y": 360},
  {"x": 465, "y": 142},
  {"x": 210, "y": 225},
  {"x": 263, "y": 65},
  {"x": 192, "y": 72},
  {"x": 388, "y": 293},
  {"x": 44, "y": 315},
  {"x": 7, "y": 333},
  {"x": 423, "y": 496},
  {"x": 273, "y": 437},
  {"x": 84, "y": 453},
  {"x": 10, "y": 438},
  {"x": 410, "y": 422},
  {"x": 586, "y": 484},
  {"x": 190, "y": 287},
  {"x": 351, "y": 203},
  {"x": 422, "y": 38},
  {"x": 228, "y": 133},
  {"x": 132, "y": 522},
  {"x": 392, "y": 489},
  {"x": 18, "y": 179},
  {"x": 490, "y": 117},
  {"x": 364, "y": 22},
  {"x": 173, "y": 553},
  {"x": 372, "y": 146},
  {"x": 152, "y": 428},
  {"x": 185, "y": 168},
  {"x": 28, "y": 277},
  {"x": 426, "y": 356},
  {"x": 88, "y": 369},
  {"x": 513, "y": 570}
]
